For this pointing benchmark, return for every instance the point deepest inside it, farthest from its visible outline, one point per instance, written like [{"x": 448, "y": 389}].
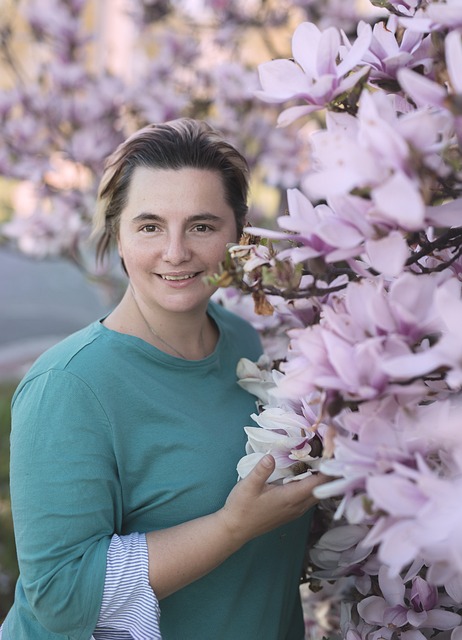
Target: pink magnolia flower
[
  {"x": 282, "y": 158},
  {"x": 43, "y": 234},
  {"x": 291, "y": 438},
  {"x": 373, "y": 449},
  {"x": 425, "y": 92},
  {"x": 322, "y": 359},
  {"x": 359, "y": 630},
  {"x": 447, "y": 352},
  {"x": 90, "y": 144},
  {"x": 388, "y": 53},
  {"x": 421, "y": 520},
  {"x": 400, "y": 607},
  {"x": 257, "y": 377},
  {"x": 233, "y": 82},
  {"x": 338, "y": 230},
  {"x": 333, "y": 12},
  {"x": 319, "y": 230},
  {"x": 435, "y": 16},
  {"x": 360, "y": 330},
  {"x": 339, "y": 553},
  {"x": 376, "y": 152},
  {"x": 372, "y": 439},
  {"x": 53, "y": 18},
  {"x": 428, "y": 92},
  {"x": 387, "y": 255},
  {"x": 322, "y": 70}
]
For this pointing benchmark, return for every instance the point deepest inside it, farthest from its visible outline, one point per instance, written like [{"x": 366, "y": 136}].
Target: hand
[
  {"x": 254, "y": 507},
  {"x": 181, "y": 554}
]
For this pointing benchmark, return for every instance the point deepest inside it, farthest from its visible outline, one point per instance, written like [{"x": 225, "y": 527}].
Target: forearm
[{"x": 184, "y": 553}]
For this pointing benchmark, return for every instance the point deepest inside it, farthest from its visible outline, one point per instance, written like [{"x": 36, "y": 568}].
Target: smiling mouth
[{"x": 179, "y": 277}]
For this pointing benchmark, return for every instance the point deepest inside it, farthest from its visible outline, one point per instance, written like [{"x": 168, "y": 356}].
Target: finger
[
  {"x": 261, "y": 472},
  {"x": 320, "y": 478}
]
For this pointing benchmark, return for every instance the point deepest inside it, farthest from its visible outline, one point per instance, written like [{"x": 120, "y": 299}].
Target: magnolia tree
[
  {"x": 63, "y": 107},
  {"x": 361, "y": 284}
]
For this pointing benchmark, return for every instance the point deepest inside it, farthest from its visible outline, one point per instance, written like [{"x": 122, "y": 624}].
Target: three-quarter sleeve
[
  {"x": 129, "y": 607},
  {"x": 66, "y": 500}
]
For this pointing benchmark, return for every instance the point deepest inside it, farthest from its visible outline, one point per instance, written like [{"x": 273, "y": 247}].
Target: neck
[{"x": 189, "y": 345}]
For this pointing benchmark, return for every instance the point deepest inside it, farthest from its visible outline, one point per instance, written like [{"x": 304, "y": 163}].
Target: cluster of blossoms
[{"x": 367, "y": 266}]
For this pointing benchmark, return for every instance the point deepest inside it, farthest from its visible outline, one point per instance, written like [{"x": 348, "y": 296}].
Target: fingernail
[{"x": 267, "y": 461}]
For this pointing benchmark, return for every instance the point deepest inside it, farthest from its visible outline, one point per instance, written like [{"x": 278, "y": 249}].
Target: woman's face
[{"x": 173, "y": 232}]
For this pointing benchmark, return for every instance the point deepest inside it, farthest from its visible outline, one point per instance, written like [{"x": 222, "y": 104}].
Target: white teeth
[{"x": 178, "y": 277}]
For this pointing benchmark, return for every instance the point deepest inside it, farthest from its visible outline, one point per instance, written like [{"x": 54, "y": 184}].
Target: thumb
[{"x": 262, "y": 470}]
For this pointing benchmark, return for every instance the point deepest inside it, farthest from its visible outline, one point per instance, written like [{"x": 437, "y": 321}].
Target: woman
[{"x": 126, "y": 435}]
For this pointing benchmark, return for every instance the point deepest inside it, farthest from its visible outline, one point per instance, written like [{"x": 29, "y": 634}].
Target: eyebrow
[{"x": 198, "y": 217}]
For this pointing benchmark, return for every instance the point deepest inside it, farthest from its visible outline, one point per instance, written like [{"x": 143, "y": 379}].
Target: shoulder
[
  {"x": 73, "y": 355},
  {"x": 61, "y": 354},
  {"x": 62, "y": 389}
]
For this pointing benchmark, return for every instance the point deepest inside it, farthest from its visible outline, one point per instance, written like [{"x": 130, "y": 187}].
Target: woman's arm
[
  {"x": 65, "y": 492},
  {"x": 65, "y": 495},
  {"x": 182, "y": 554}
]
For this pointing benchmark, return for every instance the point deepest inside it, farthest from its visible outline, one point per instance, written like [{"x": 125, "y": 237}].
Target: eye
[
  {"x": 149, "y": 228},
  {"x": 202, "y": 228}
]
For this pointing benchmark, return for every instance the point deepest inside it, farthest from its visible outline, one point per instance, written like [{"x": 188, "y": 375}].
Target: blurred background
[{"x": 77, "y": 77}]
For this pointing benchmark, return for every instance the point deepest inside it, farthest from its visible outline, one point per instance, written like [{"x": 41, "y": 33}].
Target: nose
[{"x": 176, "y": 249}]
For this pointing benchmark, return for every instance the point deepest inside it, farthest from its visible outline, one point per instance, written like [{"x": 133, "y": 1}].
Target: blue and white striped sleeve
[{"x": 129, "y": 607}]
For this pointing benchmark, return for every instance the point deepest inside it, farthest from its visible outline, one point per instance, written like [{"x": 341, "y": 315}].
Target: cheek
[{"x": 229, "y": 237}]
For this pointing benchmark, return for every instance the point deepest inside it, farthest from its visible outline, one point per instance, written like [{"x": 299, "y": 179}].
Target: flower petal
[
  {"x": 388, "y": 255},
  {"x": 424, "y": 92},
  {"x": 305, "y": 43},
  {"x": 440, "y": 619},
  {"x": 291, "y": 114},
  {"x": 358, "y": 50},
  {"x": 327, "y": 52},
  {"x": 448, "y": 214},
  {"x": 399, "y": 199},
  {"x": 342, "y": 537},
  {"x": 281, "y": 80},
  {"x": 392, "y": 587},
  {"x": 372, "y": 609}
]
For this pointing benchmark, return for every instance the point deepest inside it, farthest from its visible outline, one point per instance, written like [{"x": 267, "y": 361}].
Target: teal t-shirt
[{"x": 111, "y": 435}]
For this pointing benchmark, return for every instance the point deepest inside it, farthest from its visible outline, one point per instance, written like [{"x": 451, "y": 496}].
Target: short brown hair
[{"x": 178, "y": 144}]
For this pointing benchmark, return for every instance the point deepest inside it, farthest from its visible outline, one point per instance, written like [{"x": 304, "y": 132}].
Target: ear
[{"x": 121, "y": 255}]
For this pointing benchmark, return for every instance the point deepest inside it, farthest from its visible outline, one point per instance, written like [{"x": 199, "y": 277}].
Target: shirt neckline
[{"x": 160, "y": 355}]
